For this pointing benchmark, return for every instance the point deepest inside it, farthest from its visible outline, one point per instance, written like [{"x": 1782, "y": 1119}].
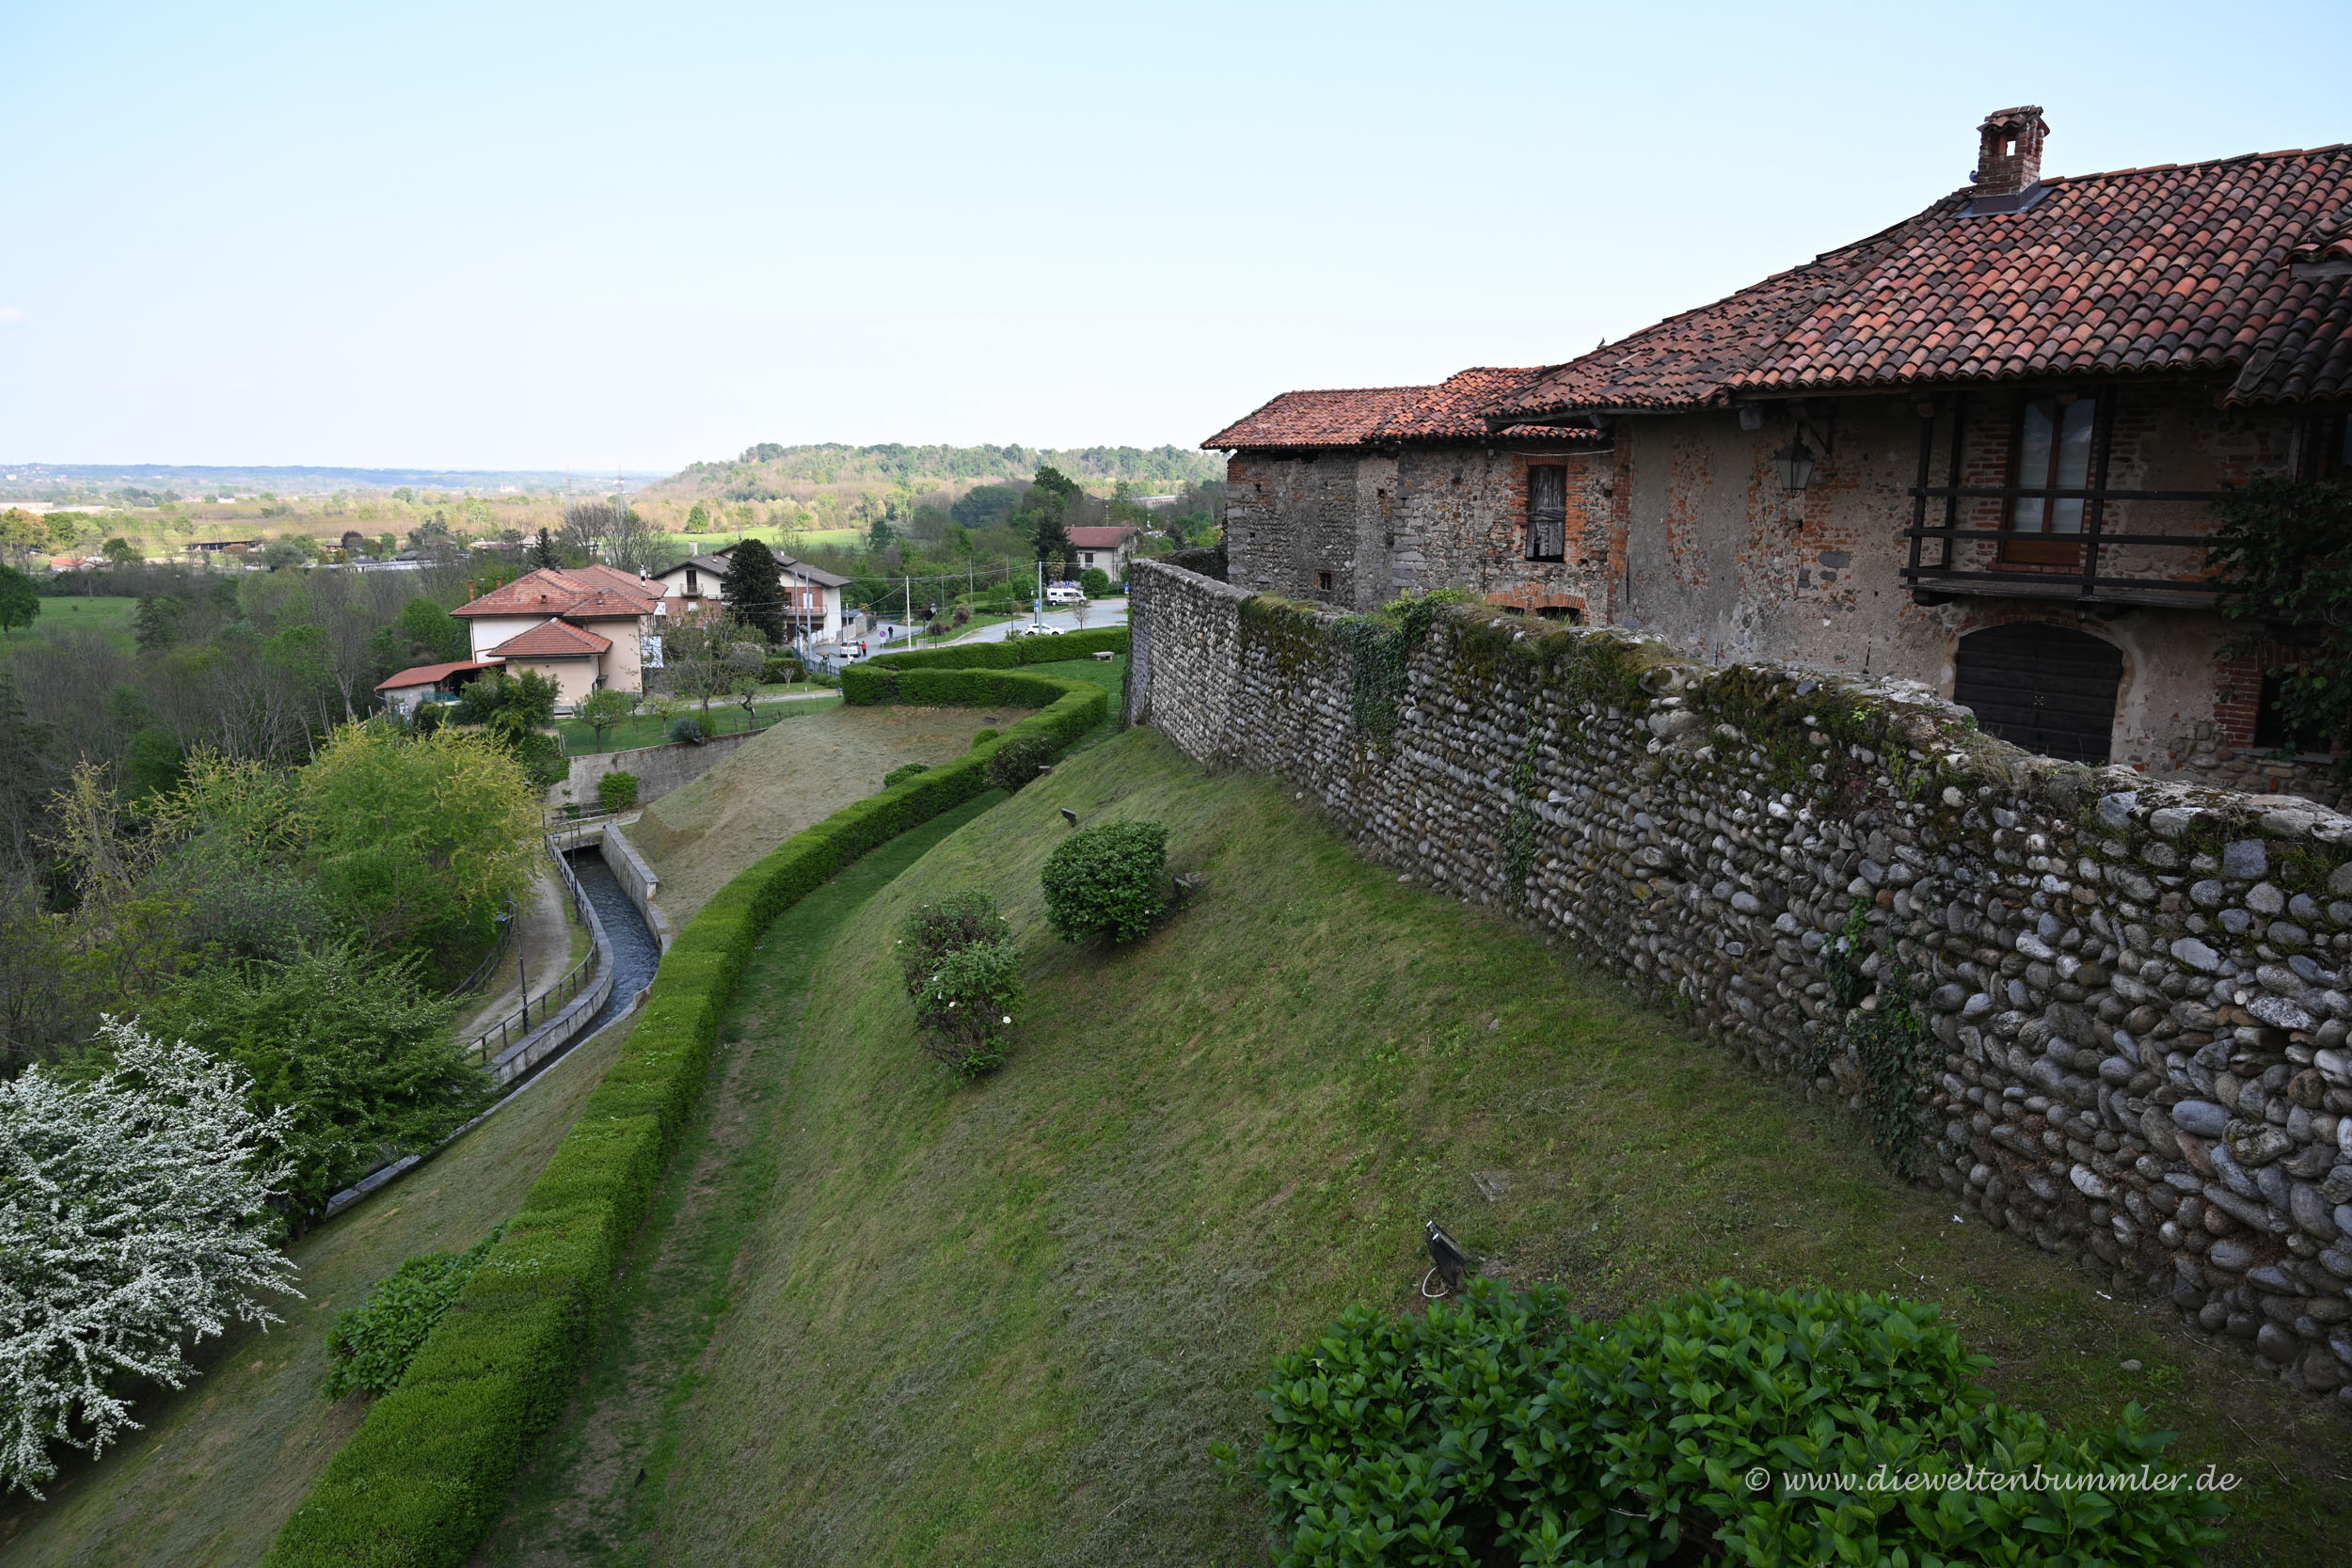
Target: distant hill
[
  {"x": 32, "y": 479},
  {"x": 769, "y": 472}
]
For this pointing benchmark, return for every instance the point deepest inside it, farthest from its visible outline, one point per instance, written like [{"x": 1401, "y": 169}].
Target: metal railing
[
  {"x": 486, "y": 1045},
  {"x": 508, "y": 923}
]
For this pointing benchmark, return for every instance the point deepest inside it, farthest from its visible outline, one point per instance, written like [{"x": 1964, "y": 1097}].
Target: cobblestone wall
[{"x": 2109, "y": 1017}]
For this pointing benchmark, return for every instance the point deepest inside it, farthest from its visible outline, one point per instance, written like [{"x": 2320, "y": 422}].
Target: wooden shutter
[{"x": 1547, "y": 513}]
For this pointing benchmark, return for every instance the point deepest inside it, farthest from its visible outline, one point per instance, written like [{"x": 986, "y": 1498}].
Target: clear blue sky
[{"x": 587, "y": 235}]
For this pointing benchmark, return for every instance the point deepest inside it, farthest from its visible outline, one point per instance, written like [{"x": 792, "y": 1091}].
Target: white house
[
  {"x": 1104, "y": 549},
  {"x": 587, "y": 628},
  {"x": 811, "y": 595}
]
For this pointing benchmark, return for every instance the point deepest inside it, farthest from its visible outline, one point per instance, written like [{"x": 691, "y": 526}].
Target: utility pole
[{"x": 908, "y": 583}]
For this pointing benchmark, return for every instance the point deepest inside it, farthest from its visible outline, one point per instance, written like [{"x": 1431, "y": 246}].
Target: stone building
[{"x": 1978, "y": 449}]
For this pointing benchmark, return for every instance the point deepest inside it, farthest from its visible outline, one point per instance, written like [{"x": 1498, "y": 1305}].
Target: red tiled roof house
[
  {"x": 1975, "y": 449},
  {"x": 586, "y": 627},
  {"x": 1101, "y": 549},
  {"x": 1355, "y": 496}
]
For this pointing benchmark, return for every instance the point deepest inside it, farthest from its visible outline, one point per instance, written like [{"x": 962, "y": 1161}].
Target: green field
[
  {"x": 110, "y": 615},
  {"x": 882, "y": 1320}
]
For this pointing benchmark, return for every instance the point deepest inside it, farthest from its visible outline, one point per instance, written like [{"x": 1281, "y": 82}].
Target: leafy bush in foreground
[
  {"x": 373, "y": 1343},
  {"x": 617, "y": 791},
  {"x": 1503, "y": 1427},
  {"x": 1110, "y": 878}
]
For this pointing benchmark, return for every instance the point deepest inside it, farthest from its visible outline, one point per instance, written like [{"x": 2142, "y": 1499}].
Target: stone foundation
[{"x": 2132, "y": 1011}]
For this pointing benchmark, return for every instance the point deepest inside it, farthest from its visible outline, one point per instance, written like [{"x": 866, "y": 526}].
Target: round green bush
[
  {"x": 1018, "y": 761},
  {"x": 1094, "y": 582},
  {"x": 370, "y": 1346},
  {"x": 969, "y": 1004},
  {"x": 617, "y": 791},
  {"x": 688, "y": 731},
  {"x": 1732, "y": 1423},
  {"x": 1111, "y": 878},
  {"x": 984, "y": 737},
  {"x": 935, "y": 930}
]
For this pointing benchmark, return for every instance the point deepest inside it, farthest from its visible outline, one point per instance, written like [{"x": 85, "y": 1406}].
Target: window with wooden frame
[
  {"x": 2051, "y": 451},
  {"x": 1546, "y": 513}
]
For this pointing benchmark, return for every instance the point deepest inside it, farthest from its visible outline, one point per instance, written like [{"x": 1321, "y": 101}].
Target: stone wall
[
  {"x": 1425, "y": 516},
  {"x": 2130, "y": 1005},
  {"x": 660, "y": 769}
]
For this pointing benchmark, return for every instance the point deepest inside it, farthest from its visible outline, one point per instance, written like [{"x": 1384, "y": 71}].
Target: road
[{"x": 1100, "y": 613}]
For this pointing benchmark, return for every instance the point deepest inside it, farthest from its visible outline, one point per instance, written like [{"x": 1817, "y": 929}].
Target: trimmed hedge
[
  {"x": 428, "y": 1472},
  {"x": 1008, "y": 655}
]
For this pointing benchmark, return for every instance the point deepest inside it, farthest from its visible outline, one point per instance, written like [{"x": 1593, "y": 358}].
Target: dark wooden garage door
[{"x": 2048, "y": 688}]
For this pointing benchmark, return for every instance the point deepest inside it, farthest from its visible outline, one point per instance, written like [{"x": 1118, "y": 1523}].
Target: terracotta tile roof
[
  {"x": 1453, "y": 410},
  {"x": 552, "y": 639},
  {"x": 2192, "y": 268},
  {"x": 589, "y": 592},
  {"x": 1100, "y": 538},
  {"x": 428, "y": 674}
]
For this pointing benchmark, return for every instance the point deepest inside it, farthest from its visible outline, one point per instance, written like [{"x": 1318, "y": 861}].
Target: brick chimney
[{"x": 2008, "y": 150}]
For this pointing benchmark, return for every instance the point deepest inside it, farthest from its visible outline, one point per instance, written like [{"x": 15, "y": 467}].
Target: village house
[
  {"x": 1978, "y": 449},
  {"x": 587, "y": 628},
  {"x": 1101, "y": 549},
  {"x": 811, "y": 594},
  {"x": 404, "y": 692}
]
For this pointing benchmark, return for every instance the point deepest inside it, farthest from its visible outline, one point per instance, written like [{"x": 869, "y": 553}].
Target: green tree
[
  {"x": 121, "y": 552},
  {"x": 420, "y": 842},
  {"x": 21, "y": 534},
  {"x": 752, "y": 589},
  {"x": 604, "y": 709},
  {"x": 433, "y": 631},
  {"x": 354, "y": 1046},
  {"x": 1044, "y": 514},
  {"x": 542, "y": 552},
  {"x": 698, "y": 520},
  {"x": 19, "y": 600}
]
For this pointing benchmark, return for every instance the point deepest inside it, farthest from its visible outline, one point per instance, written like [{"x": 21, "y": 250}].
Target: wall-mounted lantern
[{"x": 1794, "y": 465}]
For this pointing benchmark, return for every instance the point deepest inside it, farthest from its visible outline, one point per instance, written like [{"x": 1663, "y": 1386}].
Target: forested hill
[{"x": 768, "y": 471}]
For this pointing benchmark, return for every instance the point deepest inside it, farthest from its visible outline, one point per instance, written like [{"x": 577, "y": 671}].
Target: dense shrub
[
  {"x": 359, "y": 1056},
  {"x": 370, "y": 1346},
  {"x": 935, "y": 930},
  {"x": 1094, "y": 582},
  {"x": 688, "y": 731},
  {"x": 1111, "y": 878},
  {"x": 1018, "y": 760},
  {"x": 968, "y": 1006},
  {"x": 780, "y": 668},
  {"x": 900, "y": 775},
  {"x": 981, "y": 737},
  {"x": 617, "y": 791},
  {"x": 1503, "y": 1427},
  {"x": 428, "y": 1471},
  {"x": 1008, "y": 655}
]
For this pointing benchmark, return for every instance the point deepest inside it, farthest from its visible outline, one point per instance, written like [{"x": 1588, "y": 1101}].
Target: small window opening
[
  {"x": 1570, "y": 614},
  {"x": 2272, "y": 731},
  {"x": 1547, "y": 513},
  {"x": 1323, "y": 582}
]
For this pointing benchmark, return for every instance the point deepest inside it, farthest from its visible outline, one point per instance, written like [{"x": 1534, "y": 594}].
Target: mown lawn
[
  {"x": 726, "y": 719},
  {"x": 107, "y": 614},
  {"x": 1005, "y": 1323}
]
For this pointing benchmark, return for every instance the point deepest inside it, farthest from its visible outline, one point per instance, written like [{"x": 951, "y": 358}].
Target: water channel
[{"x": 635, "y": 954}]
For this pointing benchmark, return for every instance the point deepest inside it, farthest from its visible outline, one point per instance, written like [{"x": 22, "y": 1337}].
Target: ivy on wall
[
  {"x": 1379, "y": 645},
  {"x": 2285, "y": 551}
]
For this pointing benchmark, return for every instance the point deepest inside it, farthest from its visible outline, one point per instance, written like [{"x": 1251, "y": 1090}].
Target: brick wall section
[{"x": 2137, "y": 1056}]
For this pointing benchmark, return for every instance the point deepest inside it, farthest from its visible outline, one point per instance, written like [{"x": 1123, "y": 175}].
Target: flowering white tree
[{"x": 134, "y": 1221}]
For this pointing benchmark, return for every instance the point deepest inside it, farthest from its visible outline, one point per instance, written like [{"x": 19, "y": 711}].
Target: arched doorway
[{"x": 2048, "y": 688}]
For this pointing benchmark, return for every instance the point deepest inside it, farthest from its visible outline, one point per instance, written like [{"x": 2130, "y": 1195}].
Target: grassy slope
[
  {"x": 583, "y": 1499},
  {"x": 726, "y": 717},
  {"x": 1004, "y": 1323},
  {"x": 699, "y": 836},
  {"x": 222, "y": 1464}
]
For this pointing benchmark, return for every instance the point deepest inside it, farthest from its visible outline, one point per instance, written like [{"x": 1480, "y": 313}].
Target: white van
[{"x": 1065, "y": 593}]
